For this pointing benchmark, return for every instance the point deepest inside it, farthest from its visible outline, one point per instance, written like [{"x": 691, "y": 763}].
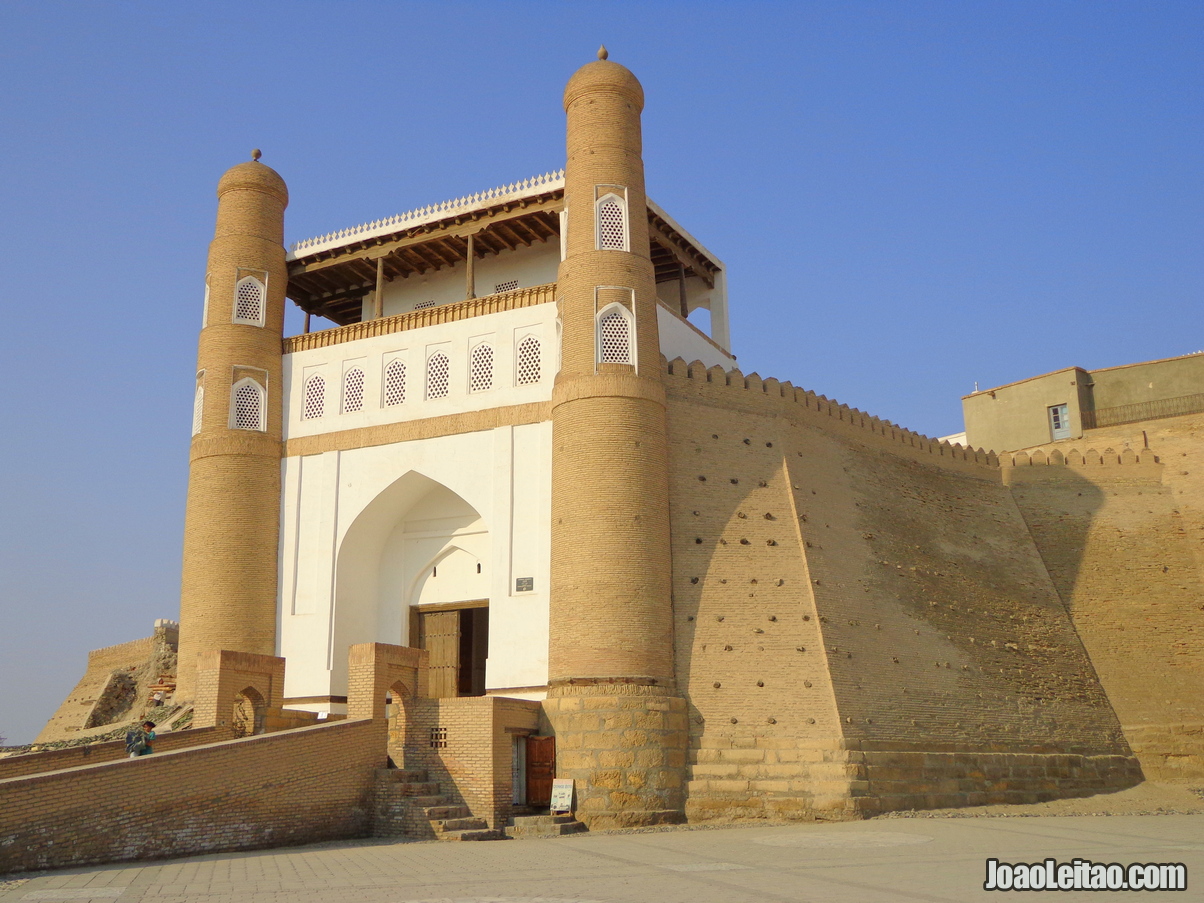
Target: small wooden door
[
  {"x": 439, "y": 634},
  {"x": 541, "y": 768}
]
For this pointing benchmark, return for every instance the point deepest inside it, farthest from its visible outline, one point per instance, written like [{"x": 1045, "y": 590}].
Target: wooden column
[
  {"x": 681, "y": 290},
  {"x": 379, "y": 305},
  {"x": 470, "y": 276},
  {"x": 307, "y": 322}
]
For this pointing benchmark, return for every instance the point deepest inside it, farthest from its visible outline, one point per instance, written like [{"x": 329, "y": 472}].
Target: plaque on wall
[{"x": 524, "y": 584}]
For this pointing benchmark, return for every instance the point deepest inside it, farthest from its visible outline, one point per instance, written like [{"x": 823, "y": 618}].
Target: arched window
[
  {"x": 480, "y": 368},
  {"x": 353, "y": 391},
  {"x": 612, "y": 223},
  {"x": 395, "y": 383},
  {"x": 313, "y": 405},
  {"x": 247, "y": 406},
  {"x": 614, "y": 335},
  {"x": 438, "y": 370},
  {"x": 205, "y": 308},
  {"x": 198, "y": 407},
  {"x": 248, "y": 301},
  {"x": 527, "y": 369}
]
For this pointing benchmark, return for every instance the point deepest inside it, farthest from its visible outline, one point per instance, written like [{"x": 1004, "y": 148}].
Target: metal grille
[
  {"x": 528, "y": 361},
  {"x": 614, "y": 338},
  {"x": 508, "y": 286},
  {"x": 480, "y": 368},
  {"x": 395, "y": 383},
  {"x": 437, "y": 373},
  {"x": 611, "y": 230},
  {"x": 248, "y": 300},
  {"x": 248, "y": 407},
  {"x": 1143, "y": 410},
  {"x": 353, "y": 391},
  {"x": 198, "y": 406},
  {"x": 315, "y": 398}
]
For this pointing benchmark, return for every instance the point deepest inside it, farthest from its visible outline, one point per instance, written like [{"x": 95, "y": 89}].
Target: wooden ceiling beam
[{"x": 681, "y": 253}]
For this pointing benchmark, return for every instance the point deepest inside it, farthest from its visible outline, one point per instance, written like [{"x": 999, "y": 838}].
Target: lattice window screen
[
  {"x": 353, "y": 391},
  {"x": 198, "y": 407},
  {"x": 248, "y": 300},
  {"x": 508, "y": 286},
  {"x": 314, "y": 403},
  {"x": 480, "y": 368},
  {"x": 614, "y": 335},
  {"x": 395, "y": 383},
  {"x": 438, "y": 370},
  {"x": 612, "y": 230},
  {"x": 423, "y": 305},
  {"x": 248, "y": 407},
  {"x": 528, "y": 361}
]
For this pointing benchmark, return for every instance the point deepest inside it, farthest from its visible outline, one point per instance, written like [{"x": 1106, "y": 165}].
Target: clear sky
[{"x": 909, "y": 197}]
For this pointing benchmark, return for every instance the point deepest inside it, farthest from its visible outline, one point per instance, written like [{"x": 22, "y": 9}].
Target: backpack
[{"x": 135, "y": 741}]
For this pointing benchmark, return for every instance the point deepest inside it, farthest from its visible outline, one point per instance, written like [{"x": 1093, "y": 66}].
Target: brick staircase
[
  {"x": 543, "y": 826},
  {"x": 405, "y": 803}
]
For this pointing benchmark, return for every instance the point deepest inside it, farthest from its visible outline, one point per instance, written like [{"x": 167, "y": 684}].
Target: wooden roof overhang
[{"x": 333, "y": 282}]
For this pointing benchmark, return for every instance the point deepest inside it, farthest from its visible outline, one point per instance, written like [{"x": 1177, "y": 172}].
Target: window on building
[
  {"x": 614, "y": 335},
  {"x": 198, "y": 407},
  {"x": 205, "y": 308},
  {"x": 528, "y": 361},
  {"x": 612, "y": 223},
  {"x": 353, "y": 391},
  {"x": 395, "y": 383},
  {"x": 249, "y": 301},
  {"x": 480, "y": 368},
  {"x": 1059, "y": 421},
  {"x": 248, "y": 405},
  {"x": 509, "y": 285},
  {"x": 438, "y": 371},
  {"x": 423, "y": 305},
  {"x": 313, "y": 403}
]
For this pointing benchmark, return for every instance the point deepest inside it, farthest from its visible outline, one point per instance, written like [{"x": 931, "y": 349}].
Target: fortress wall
[
  {"x": 1122, "y": 549},
  {"x": 111, "y": 751},
  {"x": 905, "y": 549},
  {"x": 271, "y": 790}
]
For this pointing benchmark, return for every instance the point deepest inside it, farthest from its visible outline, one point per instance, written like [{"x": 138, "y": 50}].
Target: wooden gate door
[
  {"x": 541, "y": 768},
  {"x": 439, "y": 634}
]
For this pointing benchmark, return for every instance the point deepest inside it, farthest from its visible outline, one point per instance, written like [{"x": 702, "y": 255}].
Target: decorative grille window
[
  {"x": 314, "y": 403},
  {"x": 395, "y": 383},
  {"x": 198, "y": 407},
  {"x": 423, "y": 305},
  {"x": 480, "y": 368},
  {"x": 612, "y": 224},
  {"x": 528, "y": 361},
  {"x": 507, "y": 286},
  {"x": 438, "y": 738},
  {"x": 353, "y": 391},
  {"x": 248, "y": 301},
  {"x": 248, "y": 405},
  {"x": 614, "y": 337},
  {"x": 438, "y": 369}
]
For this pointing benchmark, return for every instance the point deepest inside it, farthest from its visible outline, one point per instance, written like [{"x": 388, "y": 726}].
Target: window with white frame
[
  {"x": 198, "y": 406},
  {"x": 480, "y": 368},
  {"x": 353, "y": 391},
  {"x": 614, "y": 335},
  {"x": 395, "y": 383},
  {"x": 1059, "y": 421},
  {"x": 313, "y": 401},
  {"x": 438, "y": 375},
  {"x": 249, "y": 301},
  {"x": 527, "y": 362},
  {"x": 247, "y": 405},
  {"x": 612, "y": 223}
]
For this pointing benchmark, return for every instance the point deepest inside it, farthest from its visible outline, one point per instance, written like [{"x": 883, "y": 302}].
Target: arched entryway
[{"x": 250, "y": 713}]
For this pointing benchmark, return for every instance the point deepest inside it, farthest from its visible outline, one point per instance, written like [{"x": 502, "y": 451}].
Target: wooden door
[
  {"x": 541, "y": 768},
  {"x": 439, "y": 634}
]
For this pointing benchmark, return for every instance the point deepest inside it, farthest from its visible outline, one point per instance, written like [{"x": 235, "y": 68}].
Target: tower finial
[
  {"x": 602, "y": 53},
  {"x": 256, "y": 154}
]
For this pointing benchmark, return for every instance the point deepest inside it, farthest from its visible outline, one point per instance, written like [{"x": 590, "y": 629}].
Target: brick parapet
[{"x": 109, "y": 751}]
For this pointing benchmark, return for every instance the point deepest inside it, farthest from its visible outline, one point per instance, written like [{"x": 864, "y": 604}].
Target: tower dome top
[
  {"x": 606, "y": 77},
  {"x": 255, "y": 176}
]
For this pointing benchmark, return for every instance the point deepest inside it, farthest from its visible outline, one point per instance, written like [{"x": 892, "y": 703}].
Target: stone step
[
  {"x": 438, "y": 812},
  {"x": 464, "y": 823},
  {"x": 426, "y": 788},
  {"x": 400, "y": 775},
  {"x": 427, "y": 802},
  {"x": 559, "y": 829},
  {"x": 473, "y": 835},
  {"x": 530, "y": 821}
]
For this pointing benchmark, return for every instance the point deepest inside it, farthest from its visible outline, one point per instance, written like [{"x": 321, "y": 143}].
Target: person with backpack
[{"x": 138, "y": 740}]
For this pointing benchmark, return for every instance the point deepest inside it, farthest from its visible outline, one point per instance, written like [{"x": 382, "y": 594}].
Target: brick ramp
[{"x": 272, "y": 790}]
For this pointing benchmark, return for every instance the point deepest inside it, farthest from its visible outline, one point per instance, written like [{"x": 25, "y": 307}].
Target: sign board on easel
[{"x": 562, "y": 795}]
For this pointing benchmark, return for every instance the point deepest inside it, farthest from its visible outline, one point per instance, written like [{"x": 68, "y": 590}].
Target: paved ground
[{"x": 937, "y": 859}]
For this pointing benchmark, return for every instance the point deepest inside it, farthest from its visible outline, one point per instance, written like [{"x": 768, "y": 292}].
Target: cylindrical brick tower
[
  {"x": 229, "y": 585},
  {"x": 620, "y": 727}
]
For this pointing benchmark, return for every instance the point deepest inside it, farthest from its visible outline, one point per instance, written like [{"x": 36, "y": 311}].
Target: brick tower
[
  {"x": 620, "y": 727},
  {"x": 228, "y": 592}
]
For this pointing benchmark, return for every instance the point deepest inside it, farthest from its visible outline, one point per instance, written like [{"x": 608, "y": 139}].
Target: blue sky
[{"x": 909, "y": 197}]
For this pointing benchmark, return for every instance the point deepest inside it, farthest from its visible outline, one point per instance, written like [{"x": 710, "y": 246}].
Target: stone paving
[{"x": 856, "y": 862}]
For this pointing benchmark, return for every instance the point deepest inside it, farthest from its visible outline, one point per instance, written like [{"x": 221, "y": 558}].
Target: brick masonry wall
[
  {"x": 273, "y": 790},
  {"x": 95, "y": 753},
  {"x": 845, "y": 590}
]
